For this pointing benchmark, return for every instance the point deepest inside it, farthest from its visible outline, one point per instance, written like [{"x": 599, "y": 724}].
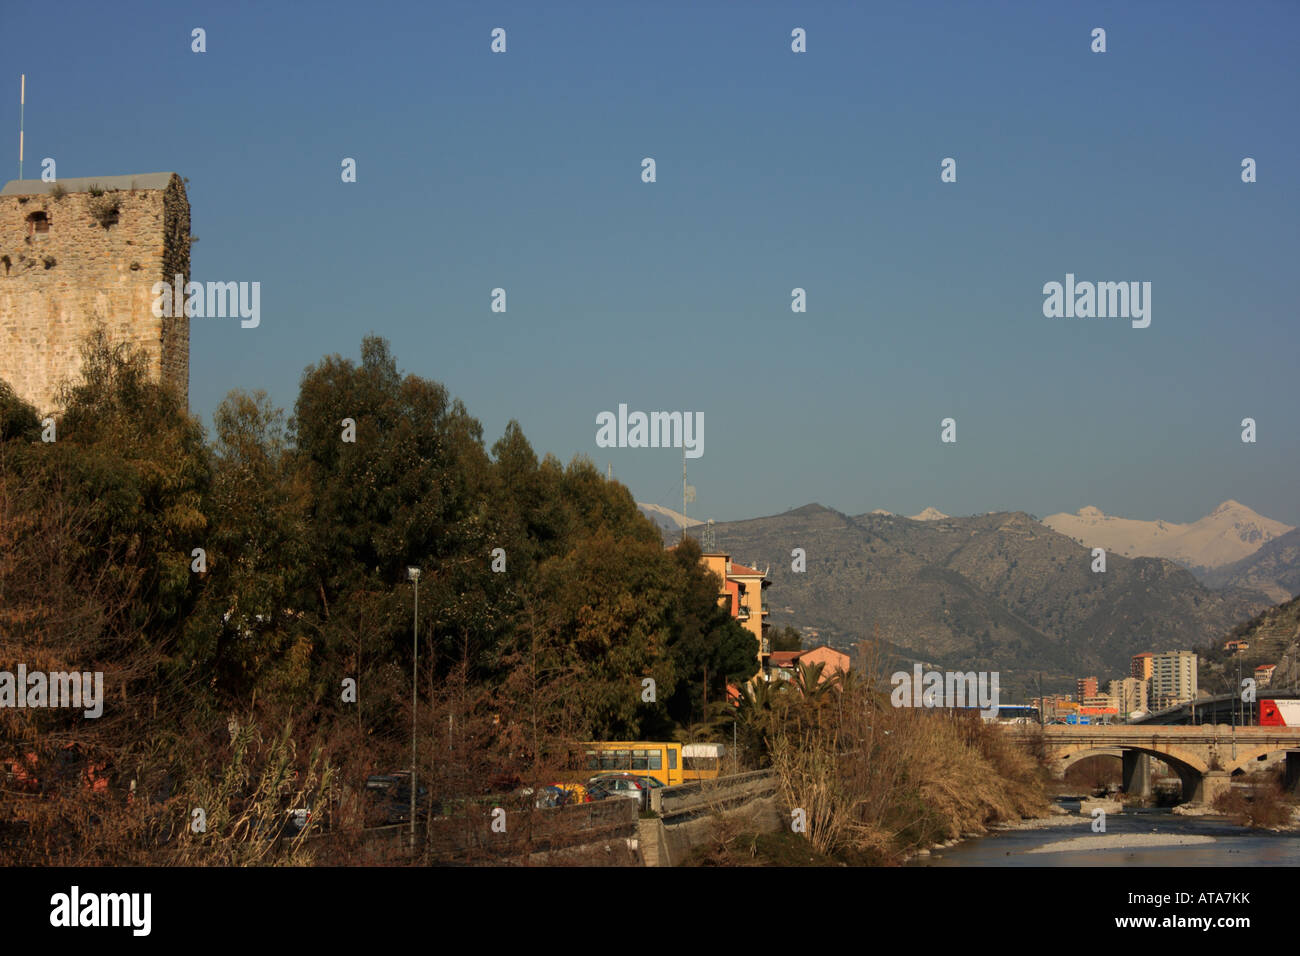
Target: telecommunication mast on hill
[{"x": 688, "y": 491}]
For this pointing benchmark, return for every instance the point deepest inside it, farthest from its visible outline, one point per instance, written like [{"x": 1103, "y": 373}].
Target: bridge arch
[
  {"x": 1066, "y": 762},
  {"x": 1202, "y": 756},
  {"x": 1179, "y": 760},
  {"x": 1248, "y": 756}
]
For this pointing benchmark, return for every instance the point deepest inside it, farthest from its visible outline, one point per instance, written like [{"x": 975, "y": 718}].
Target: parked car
[
  {"x": 573, "y": 793},
  {"x": 646, "y": 782},
  {"x": 542, "y": 798},
  {"x": 547, "y": 797},
  {"x": 555, "y": 795},
  {"x": 299, "y": 820},
  {"x": 626, "y": 785},
  {"x": 288, "y": 827},
  {"x": 309, "y": 813},
  {"x": 389, "y": 798},
  {"x": 292, "y": 821}
]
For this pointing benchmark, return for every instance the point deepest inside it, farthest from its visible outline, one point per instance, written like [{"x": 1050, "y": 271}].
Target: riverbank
[
  {"x": 1139, "y": 836},
  {"x": 1189, "y": 810},
  {"x": 1060, "y": 818}
]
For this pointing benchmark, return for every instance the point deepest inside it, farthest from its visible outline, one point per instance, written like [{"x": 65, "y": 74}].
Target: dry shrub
[
  {"x": 247, "y": 806},
  {"x": 876, "y": 781},
  {"x": 967, "y": 774},
  {"x": 729, "y": 844},
  {"x": 144, "y": 816},
  {"x": 1264, "y": 808}
]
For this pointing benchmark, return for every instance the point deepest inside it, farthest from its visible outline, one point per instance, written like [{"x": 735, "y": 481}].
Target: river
[{"x": 1232, "y": 845}]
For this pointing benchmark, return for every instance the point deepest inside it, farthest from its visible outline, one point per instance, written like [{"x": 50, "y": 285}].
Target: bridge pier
[
  {"x": 1137, "y": 774},
  {"x": 1291, "y": 776},
  {"x": 1204, "y": 788}
]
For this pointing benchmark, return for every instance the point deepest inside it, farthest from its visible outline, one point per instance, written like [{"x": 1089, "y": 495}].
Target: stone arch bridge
[{"x": 1205, "y": 757}]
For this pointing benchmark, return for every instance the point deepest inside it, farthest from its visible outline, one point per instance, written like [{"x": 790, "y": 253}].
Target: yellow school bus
[
  {"x": 663, "y": 761},
  {"x": 702, "y": 761}
]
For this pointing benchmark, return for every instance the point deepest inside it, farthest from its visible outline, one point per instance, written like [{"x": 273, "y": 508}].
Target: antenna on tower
[
  {"x": 22, "y": 105},
  {"x": 710, "y": 546},
  {"x": 688, "y": 492}
]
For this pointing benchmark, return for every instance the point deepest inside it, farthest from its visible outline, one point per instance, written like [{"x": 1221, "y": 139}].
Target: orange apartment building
[
  {"x": 1142, "y": 666},
  {"x": 742, "y": 589}
]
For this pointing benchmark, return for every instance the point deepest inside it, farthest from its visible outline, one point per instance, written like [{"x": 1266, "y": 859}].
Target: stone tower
[{"x": 83, "y": 252}]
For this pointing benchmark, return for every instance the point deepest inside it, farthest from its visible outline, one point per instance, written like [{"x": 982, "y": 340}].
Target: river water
[{"x": 1233, "y": 845}]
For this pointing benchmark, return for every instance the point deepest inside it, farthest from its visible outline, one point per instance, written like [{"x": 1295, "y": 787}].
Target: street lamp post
[
  {"x": 1236, "y": 694},
  {"x": 413, "y": 575}
]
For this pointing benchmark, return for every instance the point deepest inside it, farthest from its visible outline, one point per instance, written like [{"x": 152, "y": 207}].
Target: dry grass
[
  {"x": 877, "y": 782},
  {"x": 1264, "y": 808},
  {"x": 104, "y": 208}
]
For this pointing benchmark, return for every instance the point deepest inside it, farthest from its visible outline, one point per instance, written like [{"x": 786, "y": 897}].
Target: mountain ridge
[
  {"x": 1230, "y": 532},
  {"x": 1273, "y": 569},
  {"x": 998, "y": 592}
]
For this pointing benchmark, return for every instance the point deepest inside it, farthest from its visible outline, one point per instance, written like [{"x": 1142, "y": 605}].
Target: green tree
[
  {"x": 128, "y": 449},
  {"x": 612, "y": 601},
  {"x": 785, "y": 638},
  {"x": 18, "y": 419},
  {"x": 96, "y": 531},
  {"x": 412, "y": 490},
  {"x": 248, "y": 629}
]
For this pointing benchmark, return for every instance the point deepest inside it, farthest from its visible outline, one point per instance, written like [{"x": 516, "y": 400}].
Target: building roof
[
  {"x": 781, "y": 658},
  {"x": 33, "y": 187},
  {"x": 824, "y": 647},
  {"x": 740, "y": 571}
]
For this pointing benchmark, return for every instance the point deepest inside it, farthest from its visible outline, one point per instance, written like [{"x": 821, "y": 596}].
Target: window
[{"x": 37, "y": 223}]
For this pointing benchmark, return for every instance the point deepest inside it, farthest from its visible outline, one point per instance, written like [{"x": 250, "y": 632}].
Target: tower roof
[{"x": 34, "y": 187}]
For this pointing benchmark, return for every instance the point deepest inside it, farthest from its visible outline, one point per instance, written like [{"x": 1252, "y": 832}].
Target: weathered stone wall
[{"x": 56, "y": 286}]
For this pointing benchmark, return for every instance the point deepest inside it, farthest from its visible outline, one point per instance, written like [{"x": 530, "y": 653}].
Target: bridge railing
[{"x": 700, "y": 795}]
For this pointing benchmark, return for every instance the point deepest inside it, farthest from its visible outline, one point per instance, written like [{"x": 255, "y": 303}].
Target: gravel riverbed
[{"x": 1122, "y": 841}]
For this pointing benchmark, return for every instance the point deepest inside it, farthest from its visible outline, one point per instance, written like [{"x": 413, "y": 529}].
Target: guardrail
[
  {"x": 534, "y": 830},
  {"x": 470, "y": 836},
  {"x": 698, "y": 796}
]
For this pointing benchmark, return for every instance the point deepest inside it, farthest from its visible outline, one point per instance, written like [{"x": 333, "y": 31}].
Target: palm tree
[
  {"x": 758, "y": 714},
  {"x": 808, "y": 681}
]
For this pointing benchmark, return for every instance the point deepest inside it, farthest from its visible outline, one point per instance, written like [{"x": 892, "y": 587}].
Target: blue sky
[{"x": 775, "y": 170}]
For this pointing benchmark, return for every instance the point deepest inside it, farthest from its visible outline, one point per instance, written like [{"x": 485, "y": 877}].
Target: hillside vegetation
[
  {"x": 1274, "y": 638},
  {"x": 997, "y": 592}
]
